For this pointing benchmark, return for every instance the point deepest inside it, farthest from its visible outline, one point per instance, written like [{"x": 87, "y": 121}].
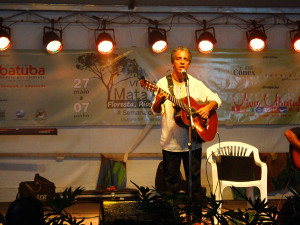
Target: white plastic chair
[{"x": 236, "y": 149}]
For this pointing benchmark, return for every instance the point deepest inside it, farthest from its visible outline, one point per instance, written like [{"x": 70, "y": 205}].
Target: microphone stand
[{"x": 191, "y": 127}]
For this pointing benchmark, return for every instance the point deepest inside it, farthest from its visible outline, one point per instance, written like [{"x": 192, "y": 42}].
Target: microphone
[{"x": 183, "y": 72}]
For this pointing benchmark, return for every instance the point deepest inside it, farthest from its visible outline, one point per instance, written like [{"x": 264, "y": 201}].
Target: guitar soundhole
[
  {"x": 202, "y": 121},
  {"x": 194, "y": 113}
]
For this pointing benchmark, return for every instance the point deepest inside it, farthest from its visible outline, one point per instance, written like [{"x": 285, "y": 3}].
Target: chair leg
[
  {"x": 250, "y": 194},
  {"x": 263, "y": 194}
]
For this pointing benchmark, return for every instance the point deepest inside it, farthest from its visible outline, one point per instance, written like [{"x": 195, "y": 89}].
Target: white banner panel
[{"x": 82, "y": 88}]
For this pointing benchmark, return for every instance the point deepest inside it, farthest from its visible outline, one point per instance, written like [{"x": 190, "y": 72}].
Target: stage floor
[{"x": 91, "y": 210}]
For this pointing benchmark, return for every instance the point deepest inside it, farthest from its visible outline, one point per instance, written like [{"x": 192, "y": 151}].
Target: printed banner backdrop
[{"x": 82, "y": 88}]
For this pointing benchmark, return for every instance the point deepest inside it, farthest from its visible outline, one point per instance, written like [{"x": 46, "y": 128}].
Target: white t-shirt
[{"x": 173, "y": 137}]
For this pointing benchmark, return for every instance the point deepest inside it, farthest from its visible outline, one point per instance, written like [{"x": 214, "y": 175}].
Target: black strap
[
  {"x": 171, "y": 90},
  {"x": 170, "y": 84}
]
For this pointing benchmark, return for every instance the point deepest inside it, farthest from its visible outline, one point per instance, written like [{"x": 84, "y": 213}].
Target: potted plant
[{"x": 55, "y": 210}]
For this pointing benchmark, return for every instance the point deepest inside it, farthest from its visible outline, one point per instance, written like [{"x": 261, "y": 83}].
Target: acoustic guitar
[
  {"x": 295, "y": 157},
  {"x": 206, "y": 128}
]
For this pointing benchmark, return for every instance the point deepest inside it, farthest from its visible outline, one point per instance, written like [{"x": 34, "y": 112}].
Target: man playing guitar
[
  {"x": 293, "y": 136},
  {"x": 174, "y": 138}
]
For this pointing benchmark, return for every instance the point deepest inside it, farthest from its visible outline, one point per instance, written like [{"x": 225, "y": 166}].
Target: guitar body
[
  {"x": 295, "y": 157},
  {"x": 206, "y": 128}
]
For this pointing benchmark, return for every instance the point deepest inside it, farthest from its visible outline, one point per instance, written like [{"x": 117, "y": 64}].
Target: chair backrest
[
  {"x": 233, "y": 148},
  {"x": 232, "y": 156}
]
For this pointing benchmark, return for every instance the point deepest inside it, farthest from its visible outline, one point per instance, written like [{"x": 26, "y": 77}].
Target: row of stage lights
[{"x": 52, "y": 38}]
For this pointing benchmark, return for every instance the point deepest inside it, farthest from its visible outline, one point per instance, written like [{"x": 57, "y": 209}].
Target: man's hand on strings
[{"x": 205, "y": 110}]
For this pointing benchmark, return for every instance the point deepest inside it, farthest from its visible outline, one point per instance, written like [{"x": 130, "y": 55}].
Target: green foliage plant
[
  {"x": 165, "y": 209},
  {"x": 146, "y": 200},
  {"x": 259, "y": 212},
  {"x": 55, "y": 210}
]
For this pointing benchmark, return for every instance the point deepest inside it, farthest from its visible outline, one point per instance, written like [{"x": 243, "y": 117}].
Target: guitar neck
[
  {"x": 153, "y": 87},
  {"x": 174, "y": 100}
]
